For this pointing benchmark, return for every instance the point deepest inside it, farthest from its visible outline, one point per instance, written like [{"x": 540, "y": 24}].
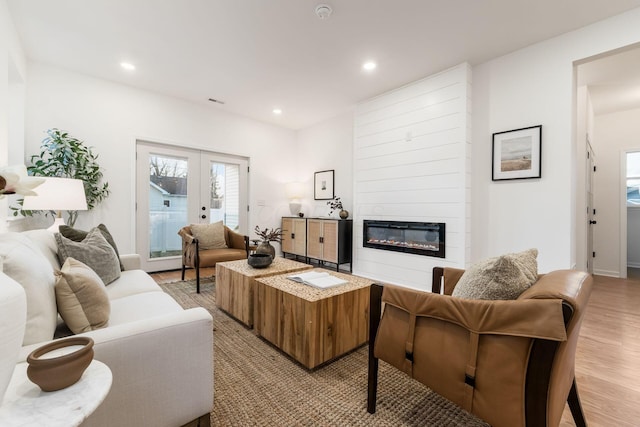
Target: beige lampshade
[{"x": 58, "y": 194}]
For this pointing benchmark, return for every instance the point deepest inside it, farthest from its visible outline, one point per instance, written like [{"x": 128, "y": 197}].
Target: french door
[{"x": 179, "y": 186}]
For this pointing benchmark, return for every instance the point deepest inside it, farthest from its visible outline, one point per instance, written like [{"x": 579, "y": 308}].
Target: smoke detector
[{"x": 323, "y": 11}]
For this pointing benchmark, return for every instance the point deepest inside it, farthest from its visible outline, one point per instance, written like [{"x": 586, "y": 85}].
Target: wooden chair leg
[
  {"x": 183, "y": 268},
  {"x": 575, "y": 406},
  {"x": 375, "y": 307},
  {"x": 198, "y": 279}
]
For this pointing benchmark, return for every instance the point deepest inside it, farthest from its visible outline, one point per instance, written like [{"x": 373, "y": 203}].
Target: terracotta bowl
[
  {"x": 55, "y": 373},
  {"x": 260, "y": 260}
]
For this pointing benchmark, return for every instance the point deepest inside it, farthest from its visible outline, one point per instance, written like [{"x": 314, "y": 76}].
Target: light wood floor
[{"x": 607, "y": 357}]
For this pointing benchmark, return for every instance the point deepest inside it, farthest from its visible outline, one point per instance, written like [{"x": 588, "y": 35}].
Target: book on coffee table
[{"x": 317, "y": 279}]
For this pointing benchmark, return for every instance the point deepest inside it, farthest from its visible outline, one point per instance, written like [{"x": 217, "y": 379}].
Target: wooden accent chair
[
  {"x": 194, "y": 257},
  {"x": 510, "y": 363}
]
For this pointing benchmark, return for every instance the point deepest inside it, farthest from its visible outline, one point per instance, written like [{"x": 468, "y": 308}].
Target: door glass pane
[
  {"x": 167, "y": 204},
  {"x": 224, "y": 183}
]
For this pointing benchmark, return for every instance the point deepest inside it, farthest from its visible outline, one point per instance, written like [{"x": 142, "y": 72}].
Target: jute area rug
[{"x": 257, "y": 385}]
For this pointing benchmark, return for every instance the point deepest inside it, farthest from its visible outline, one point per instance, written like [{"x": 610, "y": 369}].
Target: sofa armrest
[
  {"x": 162, "y": 369},
  {"x": 130, "y": 261}
]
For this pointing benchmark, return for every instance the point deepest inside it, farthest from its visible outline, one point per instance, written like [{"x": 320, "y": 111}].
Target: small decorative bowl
[
  {"x": 260, "y": 260},
  {"x": 58, "y": 372}
]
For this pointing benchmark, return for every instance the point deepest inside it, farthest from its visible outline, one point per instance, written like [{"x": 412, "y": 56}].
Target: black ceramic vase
[
  {"x": 260, "y": 260},
  {"x": 266, "y": 248}
]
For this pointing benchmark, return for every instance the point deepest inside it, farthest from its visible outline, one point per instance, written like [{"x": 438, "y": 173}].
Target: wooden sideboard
[{"x": 326, "y": 240}]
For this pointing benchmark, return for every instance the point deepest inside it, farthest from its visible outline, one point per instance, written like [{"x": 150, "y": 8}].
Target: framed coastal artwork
[
  {"x": 517, "y": 154},
  {"x": 323, "y": 185}
]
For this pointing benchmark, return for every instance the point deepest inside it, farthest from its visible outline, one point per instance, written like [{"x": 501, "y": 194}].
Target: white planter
[{"x": 13, "y": 317}]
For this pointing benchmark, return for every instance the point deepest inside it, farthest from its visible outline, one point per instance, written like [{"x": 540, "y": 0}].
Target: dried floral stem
[{"x": 269, "y": 235}]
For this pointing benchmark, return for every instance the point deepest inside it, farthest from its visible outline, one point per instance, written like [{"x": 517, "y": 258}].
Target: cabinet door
[
  {"x": 314, "y": 238},
  {"x": 299, "y": 236},
  {"x": 287, "y": 235},
  {"x": 330, "y": 241}
]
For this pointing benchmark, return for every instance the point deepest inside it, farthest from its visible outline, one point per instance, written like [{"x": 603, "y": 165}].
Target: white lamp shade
[
  {"x": 294, "y": 190},
  {"x": 57, "y": 194}
]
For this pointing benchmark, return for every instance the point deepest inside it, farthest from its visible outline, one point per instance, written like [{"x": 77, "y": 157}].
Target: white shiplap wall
[{"x": 411, "y": 163}]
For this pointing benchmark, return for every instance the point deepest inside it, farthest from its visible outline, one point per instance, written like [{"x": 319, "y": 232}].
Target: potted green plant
[{"x": 62, "y": 155}]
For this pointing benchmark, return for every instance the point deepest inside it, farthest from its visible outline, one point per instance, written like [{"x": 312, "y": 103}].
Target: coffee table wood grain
[
  {"x": 235, "y": 283},
  {"x": 312, "y": 325}
]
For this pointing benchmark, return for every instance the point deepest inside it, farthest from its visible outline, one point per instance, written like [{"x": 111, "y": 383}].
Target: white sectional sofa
[{"x": 161, "y": 355}]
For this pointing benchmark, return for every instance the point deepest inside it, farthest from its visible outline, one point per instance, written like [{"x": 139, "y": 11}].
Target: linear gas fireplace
[{"x": 422, "y": 238}]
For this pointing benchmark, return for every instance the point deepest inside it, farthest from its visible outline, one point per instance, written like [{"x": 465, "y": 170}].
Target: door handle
[{"x": 593, "y": 222}]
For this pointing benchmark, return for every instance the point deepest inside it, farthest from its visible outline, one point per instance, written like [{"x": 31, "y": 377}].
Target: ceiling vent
[{"x": 323, "y": 11}]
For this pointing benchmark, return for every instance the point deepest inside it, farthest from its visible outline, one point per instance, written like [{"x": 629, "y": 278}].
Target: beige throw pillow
[
  {"x": 210, "y": 236},
  {"x": 94, "y": 251},
  {"x": 82, "y": 298},
  {"x": 500, "y": 278}
]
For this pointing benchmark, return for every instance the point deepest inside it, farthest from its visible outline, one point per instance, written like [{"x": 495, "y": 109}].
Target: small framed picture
[
  {"x": 517, "y": 154},
  {"x": 323, "y": 185}
]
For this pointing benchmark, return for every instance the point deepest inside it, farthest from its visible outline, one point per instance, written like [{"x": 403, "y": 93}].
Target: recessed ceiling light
[
  {"x": 323, "y": 11},
  {"x": 277, "y": 111},
  {"x": 128, "y": 66},
  {"x": 369, "y": 66}
]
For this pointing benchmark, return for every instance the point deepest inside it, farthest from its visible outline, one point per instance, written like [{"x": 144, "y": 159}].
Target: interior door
[{"x": 178, "y": 186}]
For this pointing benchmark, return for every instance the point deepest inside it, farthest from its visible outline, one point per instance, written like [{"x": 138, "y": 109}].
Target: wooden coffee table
[
  {"x": 235, "y": 282},
  {"x": 312, "y": 325}
]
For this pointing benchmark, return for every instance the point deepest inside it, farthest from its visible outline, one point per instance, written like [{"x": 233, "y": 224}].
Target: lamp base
[
  {"x": 294, "y": 208},
  {"x": 56, "y": 225}
]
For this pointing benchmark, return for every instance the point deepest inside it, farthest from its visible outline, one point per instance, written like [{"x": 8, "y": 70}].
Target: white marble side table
[{"x": 25, "y": 405}]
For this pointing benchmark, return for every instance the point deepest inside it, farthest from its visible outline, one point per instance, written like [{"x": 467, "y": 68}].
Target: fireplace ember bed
[{"x": 421, "y": 238}]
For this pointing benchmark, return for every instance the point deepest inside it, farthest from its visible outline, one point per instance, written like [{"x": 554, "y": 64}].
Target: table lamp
[
  {"x": 294, "y": 194},
  {"x": 58, "y": 194}
]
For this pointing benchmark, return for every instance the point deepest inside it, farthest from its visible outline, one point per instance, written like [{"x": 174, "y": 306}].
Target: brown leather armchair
[
  {"x": 510, "y": 363},
  {"x": 194, "y": 257}
]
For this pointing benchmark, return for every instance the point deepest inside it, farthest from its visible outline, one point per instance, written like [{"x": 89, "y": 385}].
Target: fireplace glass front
[{"x": 421, "y": 238}]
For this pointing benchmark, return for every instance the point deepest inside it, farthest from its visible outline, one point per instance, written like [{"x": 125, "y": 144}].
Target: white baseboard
[
  {"x": 607, "y": 273},
  {"x": 633, "y": 264}
]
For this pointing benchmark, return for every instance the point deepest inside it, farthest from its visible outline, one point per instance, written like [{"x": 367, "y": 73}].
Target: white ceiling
[{"x": 256, "y": 55}]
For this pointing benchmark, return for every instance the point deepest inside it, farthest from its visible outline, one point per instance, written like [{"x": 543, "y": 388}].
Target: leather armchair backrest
[{"x": 476, "y": 353}]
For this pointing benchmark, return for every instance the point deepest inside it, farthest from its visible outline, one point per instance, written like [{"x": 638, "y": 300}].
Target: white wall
[
  {"x": 411, "y": 157},
  {"x": 326, "y": 146},
  {"x": 12, "y": 76},
  {"x": 110, "y": 117},
  {"x": 613, "y": 134},
  {"x": 535, "y": 86}
]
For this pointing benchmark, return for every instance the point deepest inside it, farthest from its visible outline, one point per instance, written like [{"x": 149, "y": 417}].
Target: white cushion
[
  {"x": 24, "y": 263},
  {"x": 132, "y": 282},
  {"x": 141, "y": 306},
  {"x": 45, "y": 241}
]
